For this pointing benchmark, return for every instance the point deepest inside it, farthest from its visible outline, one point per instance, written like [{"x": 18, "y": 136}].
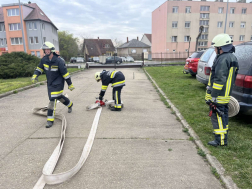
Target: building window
[
  {"x": 219, "y": 25},
  {"x": 31, "y": 40},
  {"x": 174, "y": 9},
  {"x": 232, "y": 10},
  {"x": 36, "y": 40},
  {"x": 188, "y": 10},
  {"x": 243, "y": 24},
  {"x": 1, "y": 27},
  {"x": 34, "y": 25},
  {"x": 204, "y": 8},
  {"x": 44, "y": 39},
  {"x": 5, "y": 41},
  {"x": 187, "y": 38},
  {"x": 133, "y": 51},
  {"x": 13, "y": 12},
  {"x": 145, "y": 50},
  {"x": 1, "y": 42},
  {"x": 187, "y": 24},
  {"x": 242, "y": 37},
  {"x": 202, "y": 43},
  {"x": 32, "y": 53},
  {"x": 174, "y": 24},
  {"x": 205, "y": 30},
  {"x": 205, "y": 36},
  {"x": 204, "y": 15},
  {"x": 104, "y": 45},
  {"x": 43, "y": 26},
  {"x": 14, "y": 27},
  {"x": 220, "y": 10},
  {"x": 30, "y": 25},
  {"x": 231, "y": 24},
  {"x": 204, "y": 22},
  {"x": 38, "y": 54},
  {"x": 244, "y": 10},
  {"x": 174, "y": 38},
  {"x": 174, "y": 50},
  {"x": 16, "y": 41},
  {"x": 251, "y": 38}
]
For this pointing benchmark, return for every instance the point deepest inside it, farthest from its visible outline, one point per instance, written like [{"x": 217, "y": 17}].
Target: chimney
[
  {"x": 29, "y": 2},
  {"x": 127, "y": 39},
  {"x": 137, "y": 38},
  {"x": 98, "y": 38}
]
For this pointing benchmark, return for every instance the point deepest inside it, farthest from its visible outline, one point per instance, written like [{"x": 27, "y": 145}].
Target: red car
[{"x": 192, "y": 63}]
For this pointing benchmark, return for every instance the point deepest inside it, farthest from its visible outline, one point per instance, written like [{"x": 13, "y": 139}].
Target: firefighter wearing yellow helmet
[
  {"x": 56, "y": 74},
  {"x": 220, "y": 84}
]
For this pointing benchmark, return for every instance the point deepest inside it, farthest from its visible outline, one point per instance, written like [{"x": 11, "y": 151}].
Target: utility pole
[
  {"x": 189, "y": 46},
  {"x": 226, "y": 18},
  {"x": 201, "y": 29},
  {"x": 22, "y": 26}
]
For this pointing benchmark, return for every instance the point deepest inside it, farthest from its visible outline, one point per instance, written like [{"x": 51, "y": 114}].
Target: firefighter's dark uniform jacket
[
  {"x": 222, "y": 78},
  {"x": 56, "y": 74},
  {"x": 115, "y": 77}
]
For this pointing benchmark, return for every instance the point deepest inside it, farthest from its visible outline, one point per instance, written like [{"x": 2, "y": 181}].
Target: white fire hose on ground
[
  {"x": 233, "y": 107},
  {"x": 47, "y": 175}
]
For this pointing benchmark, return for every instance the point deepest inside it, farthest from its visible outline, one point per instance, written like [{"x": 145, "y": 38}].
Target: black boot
[
  {"x": 49, "y": 124},
  {"x": 70, "y": 109},
  {"x": 115, "y": 109},
  {"x": 215, "y": 143}
]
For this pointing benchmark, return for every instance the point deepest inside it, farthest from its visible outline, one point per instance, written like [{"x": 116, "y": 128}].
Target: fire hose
[{"x": 47, "y": 174}]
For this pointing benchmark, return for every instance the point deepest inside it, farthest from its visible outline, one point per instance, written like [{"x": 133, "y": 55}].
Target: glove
[
  {"x": 34, "y": 79},
  {"x": 100, "y": 98},
  {"x": 71, "y": 87}
]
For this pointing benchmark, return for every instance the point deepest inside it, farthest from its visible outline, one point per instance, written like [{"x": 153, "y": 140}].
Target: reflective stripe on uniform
[
  {"x": 217, "y": 86},
  {"x": 117, "y": 105},
  {"x": 56, "y": 94},
  {"x": 220, "y": 128},
  {"x": 34, "y": 76},
  {"x": 113, "y": 74},
  {"x": 46, "y": 67},
  {"x": 66, "y": 76},
  {"x": 70, "y": 104},
  {"x": 54, "y": 69},
  {"x": 209, "y": 80},
  {"x": 120, "y": 83},
  {"x": 104, "y": 87},
  {"x": 39, "y": 69},
  {"x": 229, "y": 81}
]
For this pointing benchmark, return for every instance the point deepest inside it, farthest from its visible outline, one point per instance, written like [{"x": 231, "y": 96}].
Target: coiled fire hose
[
  {"x": 47, "y": 175},
  {"x": 233, "y": 107}
]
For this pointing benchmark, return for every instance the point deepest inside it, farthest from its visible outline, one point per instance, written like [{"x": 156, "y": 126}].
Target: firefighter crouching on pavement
[
  {"x": 56, "y": 74},
  {"x": 118, "y": 81},
  {"x": 220, "y": 84}
]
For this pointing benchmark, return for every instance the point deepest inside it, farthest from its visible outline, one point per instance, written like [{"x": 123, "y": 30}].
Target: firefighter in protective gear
[
  {"x": 220, "y": 84},
  {"x": 118, "y": 81},
  {"x": 56, "y": 74}
]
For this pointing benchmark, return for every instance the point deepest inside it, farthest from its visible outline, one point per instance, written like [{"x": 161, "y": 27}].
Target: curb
[
  {"x": 28, "y": 87},
  {"x": 227, "y": 180}
]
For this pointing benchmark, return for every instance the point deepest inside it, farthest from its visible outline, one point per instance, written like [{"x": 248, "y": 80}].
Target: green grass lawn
[
  {"x": 12, "y": 84},
  {"x": 187, "y": 94}
]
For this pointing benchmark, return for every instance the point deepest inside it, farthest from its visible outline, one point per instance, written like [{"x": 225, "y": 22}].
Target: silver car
[{"x": 205, "y": 65}]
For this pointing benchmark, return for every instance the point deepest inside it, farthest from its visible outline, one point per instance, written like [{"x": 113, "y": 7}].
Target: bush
[{"x": 17, "y": 64}]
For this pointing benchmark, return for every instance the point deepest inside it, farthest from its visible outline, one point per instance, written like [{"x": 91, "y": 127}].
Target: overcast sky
[{"x": 104, "y": 18}]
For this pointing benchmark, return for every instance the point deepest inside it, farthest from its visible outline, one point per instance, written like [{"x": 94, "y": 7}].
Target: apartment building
[
  {"x": 37, "y": 28},
  {"x": 175, "y": 23}
]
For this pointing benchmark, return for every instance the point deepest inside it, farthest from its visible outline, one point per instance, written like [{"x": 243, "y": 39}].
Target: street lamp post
[
  {"x": 22, "y": 26},
  {"x": 226, "y": 18}
]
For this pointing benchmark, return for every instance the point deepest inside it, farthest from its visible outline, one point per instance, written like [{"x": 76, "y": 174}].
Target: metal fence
[{"x": 170, "y": 56}]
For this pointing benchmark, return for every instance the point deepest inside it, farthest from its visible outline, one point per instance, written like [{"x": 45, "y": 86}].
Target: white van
[{"x": 205, "y": 65}]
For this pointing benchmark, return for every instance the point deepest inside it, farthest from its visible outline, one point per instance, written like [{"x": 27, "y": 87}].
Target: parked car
[
  {"x": 72, "y": 59},
  {"x": 123, "y": 58},
  {"x": 96, "y": 59},
  {"x": 204, "y": 65},
  {"x": 129, "y": 59},
  {"x": 90, "y": 59},
  {"x": 79, "y": 59},
  {"x": 191, "y": 65},
  {"x": 113, "y": 59},
  {"x": 242, "y": 90}
]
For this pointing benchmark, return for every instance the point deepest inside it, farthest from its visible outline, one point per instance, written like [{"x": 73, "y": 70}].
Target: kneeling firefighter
[
  {"x": 118, "y": 81},
  {"x": 56, "y": 74},
  {"x": 220, "y": 84}
]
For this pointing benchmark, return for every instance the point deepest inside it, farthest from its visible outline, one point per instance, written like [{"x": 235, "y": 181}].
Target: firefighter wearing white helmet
[
  {"x": 220, "y": 85},
  {"x": 117, "y": 79},
  {"x": 56, "y": 74}
]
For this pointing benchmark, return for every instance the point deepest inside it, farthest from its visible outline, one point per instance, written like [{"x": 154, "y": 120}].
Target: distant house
[
  {"x": 146, "y": 39},
  {"x": 98, "y": 47},
  {"x": 133, "y": 48}
]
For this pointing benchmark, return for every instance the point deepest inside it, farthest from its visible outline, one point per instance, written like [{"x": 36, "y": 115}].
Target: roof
[
  {"x": 1, "y": 15},
  {"x": 148, "y": 36},
  {"x": 95, "y": 46},
  {"x": 134, "y": 44},
  {"x": 36, "y": 14}
]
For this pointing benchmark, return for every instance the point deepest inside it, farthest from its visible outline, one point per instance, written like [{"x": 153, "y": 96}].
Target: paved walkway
[{"x": 130, "y": 149}]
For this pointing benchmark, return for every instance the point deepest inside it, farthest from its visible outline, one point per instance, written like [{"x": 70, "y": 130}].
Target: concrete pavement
[{"x": 141, "y": 147}]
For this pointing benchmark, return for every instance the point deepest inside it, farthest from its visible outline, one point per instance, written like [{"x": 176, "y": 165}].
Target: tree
[
  {"x": 116, "y": 42},
  {"x": 68, "y": 45}
]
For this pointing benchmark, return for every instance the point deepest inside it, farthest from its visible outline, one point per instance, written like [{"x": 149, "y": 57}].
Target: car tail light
[
  {"x": 207, "y": 70},
  {"x": 248, "y": 81},
  {"x": 239, "y": 80}
]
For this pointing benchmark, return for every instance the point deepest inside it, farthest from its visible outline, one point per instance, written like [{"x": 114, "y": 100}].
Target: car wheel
[{"x": 118, "y": 62}]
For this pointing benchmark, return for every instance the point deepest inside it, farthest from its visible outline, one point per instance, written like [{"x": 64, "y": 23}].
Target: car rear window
[
  {"x": 206, "y": 56},
  {"x": 244, "y": 57}
]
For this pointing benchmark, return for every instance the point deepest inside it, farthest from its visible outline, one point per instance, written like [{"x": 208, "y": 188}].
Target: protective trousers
[
  {"x": 220, "y": 125},
  {"x": 52, "y": 106},
  {"x": 117, "y": 97}
]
